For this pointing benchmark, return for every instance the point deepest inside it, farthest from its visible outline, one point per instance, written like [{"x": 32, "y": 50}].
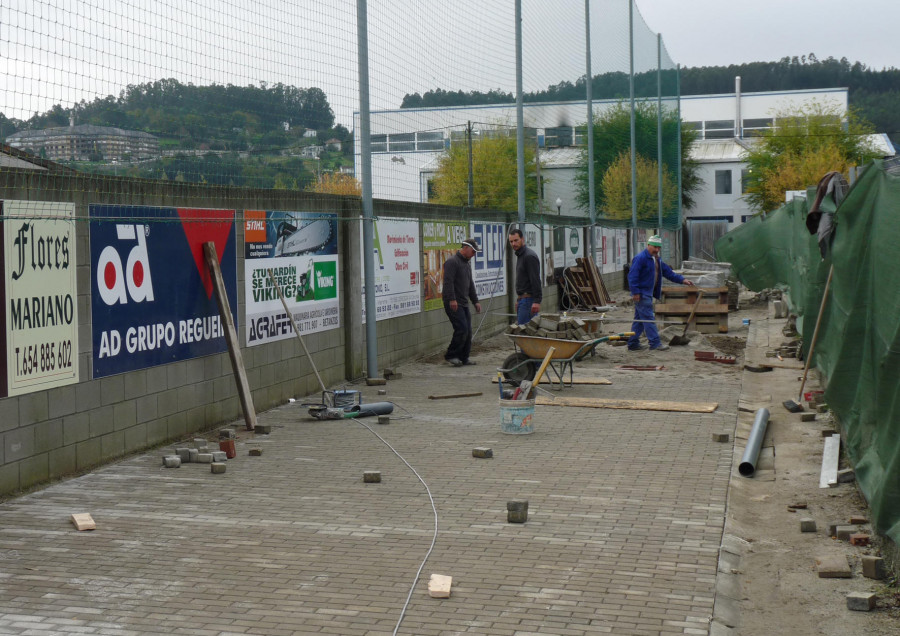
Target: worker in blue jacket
[{"x": 645, "y": 281}]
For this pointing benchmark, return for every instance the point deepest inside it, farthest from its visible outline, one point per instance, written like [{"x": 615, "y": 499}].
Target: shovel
[
  {"x": 526, "y": 385},
  {"x": 680, "y": 341}
]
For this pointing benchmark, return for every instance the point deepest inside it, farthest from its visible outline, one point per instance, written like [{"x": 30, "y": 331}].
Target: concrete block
[
  {"x": 843, "y": 532},
  {"x": 219, "y": 456},
  {"x": 856, "y": 520},
  {"x": 382, "y": 391},
  {"x": 807, "y": 525},
  {"x": 873, "y": 567},
  {"x": 859, "y": 538},
  {"x": 860, "y": 601},
  {"x": 482, "y": 452},
  {"x": 171, "y": 461},
  {"x": 204, "y": 458},
  {"x": 262, "y": 429},
  {"x": 822, "y": 408},
  {"x": 184, "y": 454},
  {"x": 217, "y": 468},
  {"x": 372, "y": 477},
  {"x": 721, "y": 437},
  {"x": 384, "y": 419},
  {"x": 193, "y": 454},
  {"x": 517, "y": 511},
  {"x": 255, "y": 452},
  {"x": 807, "y": 417},
  {"x": 375, "y": 381},
  {"x": 833, "y": 566},
  {"x": 226, "y": 433},
  {"x": 200, "y": 443}
]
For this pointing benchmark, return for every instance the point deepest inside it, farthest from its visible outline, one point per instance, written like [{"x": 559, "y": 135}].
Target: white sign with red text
[{"x": 398, "y": 273}]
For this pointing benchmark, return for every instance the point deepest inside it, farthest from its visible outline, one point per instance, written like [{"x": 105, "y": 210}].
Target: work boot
[
  {"x": 456, "y": 362},
  {"x": 640, "y": 347},
  {"x": 662, "y": 347},
  {"x": 469, "y": 363}
]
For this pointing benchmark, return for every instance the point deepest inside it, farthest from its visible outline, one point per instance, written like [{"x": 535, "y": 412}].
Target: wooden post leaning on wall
[{"x": 234, "y": 347}]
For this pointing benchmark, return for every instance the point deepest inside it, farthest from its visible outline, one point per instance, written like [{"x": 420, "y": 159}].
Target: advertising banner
[
  {"x": 533, "y": 240},
  {"x": 152, "y": 299},
  {"x": 489, "y": 266},
  {"x": 398, "y": 275},
  {"x": 440, "y": 241},
  {"x": 39, "y": 299},
  {"x": 300, "y": 250}
]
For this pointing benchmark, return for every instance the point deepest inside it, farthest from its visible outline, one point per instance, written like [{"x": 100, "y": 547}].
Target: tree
[
  {"x": 336, "y": 183},
  {"x": 494, "y": 168},
  {"x": 612, "y": 138},
  {"x": 800, "y": 148},
  {"x": 616, "y": 185}
]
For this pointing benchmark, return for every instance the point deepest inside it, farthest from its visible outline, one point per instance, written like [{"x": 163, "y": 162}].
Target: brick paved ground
[{"x": 626, "y": 514}]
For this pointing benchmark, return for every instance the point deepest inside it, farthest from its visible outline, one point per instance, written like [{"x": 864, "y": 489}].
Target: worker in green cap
[{"x": 645, "y": 282}]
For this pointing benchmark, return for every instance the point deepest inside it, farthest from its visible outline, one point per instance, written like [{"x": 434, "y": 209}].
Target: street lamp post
[{"x": 558, "y": 206}]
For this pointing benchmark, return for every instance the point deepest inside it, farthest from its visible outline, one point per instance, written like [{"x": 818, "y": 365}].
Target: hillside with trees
[
  {"x": 232, "y": 135},
  {"x": 874, "y": 94}
]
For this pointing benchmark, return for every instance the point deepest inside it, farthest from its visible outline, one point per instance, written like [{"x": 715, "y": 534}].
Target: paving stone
[
  {"x": 833, "y": 566},
  {"x": 204, "y": 458},
  {"x": 172, "y": 461},
  {"x": 217, "y": 468},
  {"x": 861, "y": 601},
  {"x": 262, "y": 429},
  {"x": 200, "y": 443},
  {"x": 193, "y": 454},
  {"x": 372, "y": 477},
  {"x": 255, "y": 452},
  {"x": 517, "y": 511},
  {"x": 843, "y": 532},
  {"x": 184, "y": 454},
  {"x": 807, "y": 525},
  {"x": 219, "y": 456},
  {"x": 482, "y": 452},
  {"x": 873, "y": 567}
]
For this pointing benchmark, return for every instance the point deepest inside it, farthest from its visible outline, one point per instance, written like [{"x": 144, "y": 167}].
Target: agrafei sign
[{"x": 151, "y": 293}]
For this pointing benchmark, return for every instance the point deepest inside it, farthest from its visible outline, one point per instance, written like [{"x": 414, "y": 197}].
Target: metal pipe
[
  {"x": 366, "y": 410},
  {"x": 365, "y": 160},
  {"x": 748, "y": 462},
  {"x": 592, "y": 205},
  {"x": 520, "y": 123}
]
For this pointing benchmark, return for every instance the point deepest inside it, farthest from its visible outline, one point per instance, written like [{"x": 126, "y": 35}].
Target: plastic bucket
[{"x": 517, "y": 416}]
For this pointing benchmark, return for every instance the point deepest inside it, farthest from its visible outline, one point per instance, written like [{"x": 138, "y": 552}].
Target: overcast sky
[
  {"x": 723, "y": 32},
  {"x": 62, "y": 51}
]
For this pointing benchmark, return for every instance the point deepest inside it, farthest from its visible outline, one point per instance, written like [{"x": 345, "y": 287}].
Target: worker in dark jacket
[
  {"x": 645, "y": 281},
  {"x": 458, "y": 290},
  {"x": 529, "y": 291}
]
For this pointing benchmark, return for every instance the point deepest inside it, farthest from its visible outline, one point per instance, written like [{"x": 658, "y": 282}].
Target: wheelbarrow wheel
[{"x": 519, "y": 367}]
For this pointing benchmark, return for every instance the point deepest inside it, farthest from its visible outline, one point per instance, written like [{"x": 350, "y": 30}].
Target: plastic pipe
[{"x": 748, "y": 462}]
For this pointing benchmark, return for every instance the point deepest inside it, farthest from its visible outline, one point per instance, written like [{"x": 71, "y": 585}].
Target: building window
[
  {"x": 403, "y": 142},
  {"x": 558, "y": 137},
  {"x": 755, "y": 127},
  {"x": 430, "y": 192},
  {"x": 430, "y": 141},
  {"x": 745, "y": 177},
  {"x": 723, "y": 181},
  {"x": 720, "y": 129},
  {"x": 378, "y": 143}
]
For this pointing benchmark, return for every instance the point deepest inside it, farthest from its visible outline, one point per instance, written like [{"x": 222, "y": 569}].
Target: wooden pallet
[
  {"x": 587, "y": 283},
  {"x": 712, "y": 312}
]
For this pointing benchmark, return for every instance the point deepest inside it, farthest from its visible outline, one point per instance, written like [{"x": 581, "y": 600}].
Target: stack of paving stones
[
  {"x": 200, "y": 454},
  {"x": 560, "y": 327}
]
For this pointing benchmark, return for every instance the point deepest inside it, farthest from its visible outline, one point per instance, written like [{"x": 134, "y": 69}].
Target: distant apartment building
[{"x": 84, "y": 142}]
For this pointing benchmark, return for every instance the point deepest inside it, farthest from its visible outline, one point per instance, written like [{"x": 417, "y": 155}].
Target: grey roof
[{"x": 85, "y": 130}]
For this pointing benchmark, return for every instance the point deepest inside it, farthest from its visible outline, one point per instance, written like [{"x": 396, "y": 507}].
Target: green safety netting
[{"x": 858, "y": 346}]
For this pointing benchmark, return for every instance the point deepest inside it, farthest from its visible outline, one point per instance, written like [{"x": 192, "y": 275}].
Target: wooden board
[
  {"x": 587, "y": 381},
  {"x": 453, "y": 395},
  {"x": 638, "y": 405},
  {"x": 685, "y": 308},
  {"x": 231, "y": 338}
]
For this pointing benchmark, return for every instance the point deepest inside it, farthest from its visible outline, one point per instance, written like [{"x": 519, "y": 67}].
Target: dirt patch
[{"x": 730, "y": 345}]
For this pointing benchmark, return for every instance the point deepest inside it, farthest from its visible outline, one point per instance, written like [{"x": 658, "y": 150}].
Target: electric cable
[{"x": 433, "y": 508}]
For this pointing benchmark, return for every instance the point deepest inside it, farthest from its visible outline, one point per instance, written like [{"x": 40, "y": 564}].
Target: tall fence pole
[
  {"x": 633, "y": 134},
  {"x": 659, "y": 141},
  {"x": 520, "y": 125},
  {"x": 592, "y": 207},
  {"x": 365, "y": 152}
]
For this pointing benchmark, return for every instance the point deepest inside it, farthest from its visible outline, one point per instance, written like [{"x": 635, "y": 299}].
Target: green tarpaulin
[{"x": 858, "y": 346}]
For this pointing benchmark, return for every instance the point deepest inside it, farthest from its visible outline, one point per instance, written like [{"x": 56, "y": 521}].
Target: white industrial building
[{"x": 406, "y": 144}]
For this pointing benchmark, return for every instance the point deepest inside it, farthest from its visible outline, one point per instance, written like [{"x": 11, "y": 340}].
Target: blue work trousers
[
  {"x": 461, "y": 342},
  {"x": 643, "y": 310},
  {"x": 523, "y": 310}
]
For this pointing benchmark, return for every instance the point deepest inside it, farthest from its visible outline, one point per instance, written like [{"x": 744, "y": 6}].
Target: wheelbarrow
[{"x": 531, "y": 350}]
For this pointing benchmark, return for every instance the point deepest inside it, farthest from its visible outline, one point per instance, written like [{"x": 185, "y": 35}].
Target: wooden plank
[
  {"x": 439, "y": 586},
  {"x": 586, "y": 381},
  {"x": 828, "y": 476},
  {"x": 777, "y": 365},
  {"x": 453, "y": 395},
  {"x": 685, "y": 308},
  {"x": 638, "y": 405},
  {"x": 234, "y": 347}
]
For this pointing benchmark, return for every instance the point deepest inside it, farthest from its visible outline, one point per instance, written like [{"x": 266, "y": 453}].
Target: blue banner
[{"x": 152, "y": 299}]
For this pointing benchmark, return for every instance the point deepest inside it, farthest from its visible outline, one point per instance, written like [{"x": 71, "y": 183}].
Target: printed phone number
[{"x": 43, "y": 358}]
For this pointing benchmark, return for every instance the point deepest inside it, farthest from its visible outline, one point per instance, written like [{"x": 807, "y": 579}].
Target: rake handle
[{"x": 812, "y": 344}]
